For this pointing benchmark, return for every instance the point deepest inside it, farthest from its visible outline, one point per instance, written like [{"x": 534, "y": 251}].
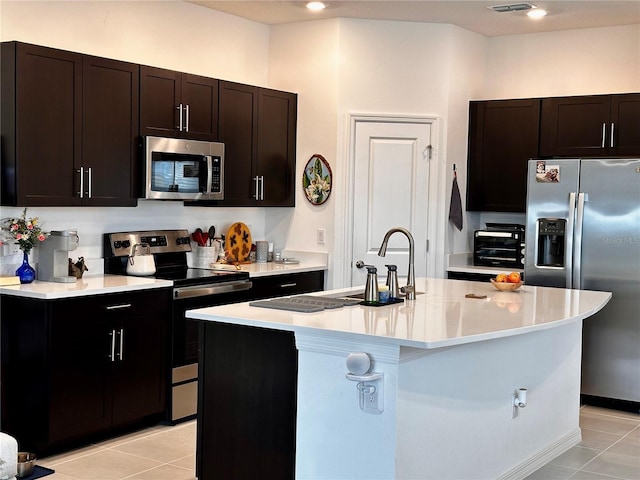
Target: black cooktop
[{"x": 199, "y": 276}]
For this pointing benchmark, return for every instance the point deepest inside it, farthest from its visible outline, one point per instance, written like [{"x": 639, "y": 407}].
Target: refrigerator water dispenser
[{"x": 551, "y": 242}]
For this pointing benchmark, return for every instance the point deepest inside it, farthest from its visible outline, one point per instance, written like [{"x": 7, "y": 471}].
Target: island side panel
[
  {"x": 335, "y": 438},
  {"x": 246, "y": 402},
  {"x": 455, "y": 413}
]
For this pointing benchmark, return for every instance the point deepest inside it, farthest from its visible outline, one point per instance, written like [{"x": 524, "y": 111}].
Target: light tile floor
[{"x": 610, "y": 450}]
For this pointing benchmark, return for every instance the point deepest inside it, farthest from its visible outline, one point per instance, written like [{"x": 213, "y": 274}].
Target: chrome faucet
[{"x": 410, "y": 289}]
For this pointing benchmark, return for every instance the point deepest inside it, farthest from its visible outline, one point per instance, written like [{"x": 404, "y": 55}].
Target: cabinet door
[
  {"x": 141, "y": 366},
  {"x": 110, "y": 131},
  {"x": 574, "y": 126},
  {"x": 246, "y": 402},
  {"x": 160, "y": 92},
  {"x": 503, "y": 136},
  {"x": 238, "y": 114},
  {"x": 79, "y": 358},
  {"x": 625, "y": 124},
  {"x": 276, "y": 153},
  {"x": 200, "y": 94},
  {"x": 48, "y": 104}
]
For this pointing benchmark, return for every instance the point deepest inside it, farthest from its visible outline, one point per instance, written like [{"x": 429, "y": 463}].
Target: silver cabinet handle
[
  {"x": 604, "y": 130},
  {"x": 112, "y": 357},
  {"x": 81, "y": 172},
  {"x": 179, "y": 108},
  {"x": 90, "y": 179},
  {"x": 116, "y": 307},
  {"x": 611, "y": 143},
  {"x": 261, "y": 187},
  {"x": 256, "y": 194},
  {"x": 288, "y": 285},
  {"x": 186, "y": 128},
  {"x": 121, "y": 346}
]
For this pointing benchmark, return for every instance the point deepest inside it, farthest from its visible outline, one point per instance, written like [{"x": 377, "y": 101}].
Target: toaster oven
[{"x": 499, "y": 245}]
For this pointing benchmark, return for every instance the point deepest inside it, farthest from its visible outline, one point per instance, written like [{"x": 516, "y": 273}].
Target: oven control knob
[
  {"x": 117, "y": 244},
  {"x": 126, "y": 244},
  {"x": 182, "y": 240}
]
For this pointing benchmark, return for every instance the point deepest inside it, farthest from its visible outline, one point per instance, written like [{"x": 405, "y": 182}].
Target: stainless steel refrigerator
[{"x": 583, "y": 232}]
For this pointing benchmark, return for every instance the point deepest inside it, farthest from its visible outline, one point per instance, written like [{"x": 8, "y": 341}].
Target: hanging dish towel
[{"x": 455, "y": 209}]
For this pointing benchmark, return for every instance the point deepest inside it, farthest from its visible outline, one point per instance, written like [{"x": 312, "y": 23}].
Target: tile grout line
[{"x": 582, "y": 469}]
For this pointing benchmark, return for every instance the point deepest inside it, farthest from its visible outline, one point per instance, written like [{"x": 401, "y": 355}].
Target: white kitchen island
[{"x": 451, "y": 366}]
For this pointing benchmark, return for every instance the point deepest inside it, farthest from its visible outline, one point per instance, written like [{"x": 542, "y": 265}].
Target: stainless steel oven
[
  {"x": 193, "y": 288},
  {"x": 184, "y": 375}
]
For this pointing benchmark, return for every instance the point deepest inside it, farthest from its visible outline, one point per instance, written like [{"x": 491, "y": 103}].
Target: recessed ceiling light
[
  {"x": 536, "y": 13},
  {"x": 316, "y": 6}
]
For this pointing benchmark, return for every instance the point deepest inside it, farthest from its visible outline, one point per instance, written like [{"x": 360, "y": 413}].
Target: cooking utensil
[
  {"x": 238, "y": 242},
  {"x": 197, "y": 237},
  {"x": 212, "y": 234}
]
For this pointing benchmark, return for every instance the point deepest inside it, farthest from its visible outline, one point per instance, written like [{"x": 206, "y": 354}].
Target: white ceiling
[{"x": 471, "y": 15}]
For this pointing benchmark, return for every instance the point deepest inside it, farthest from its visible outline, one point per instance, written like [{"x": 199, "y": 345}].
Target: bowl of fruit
[{"x": 507, "y": 282}]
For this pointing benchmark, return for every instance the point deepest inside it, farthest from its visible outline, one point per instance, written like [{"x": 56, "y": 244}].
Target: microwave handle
[{"x": 209, "y": 173}]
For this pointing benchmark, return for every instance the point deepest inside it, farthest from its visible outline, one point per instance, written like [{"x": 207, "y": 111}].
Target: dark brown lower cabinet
[
  {"x": 81, "y": 368},
  {"x": 246, "y": 403},
  {"x": 247, "y": 396}
]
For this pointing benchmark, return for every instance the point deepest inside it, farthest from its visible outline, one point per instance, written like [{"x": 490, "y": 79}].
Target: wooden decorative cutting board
[{"x": 238, "y": 242}]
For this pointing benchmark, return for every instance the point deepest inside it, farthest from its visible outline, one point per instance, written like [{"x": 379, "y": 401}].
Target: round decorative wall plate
[
  {"x": 238, "y": 242},
  {"x": 316, "y": 180}
]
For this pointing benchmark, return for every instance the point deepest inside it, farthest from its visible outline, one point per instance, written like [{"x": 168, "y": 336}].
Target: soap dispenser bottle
[
  {"x": 392, "y": 281},
  {"x": 371, "y": 287}
]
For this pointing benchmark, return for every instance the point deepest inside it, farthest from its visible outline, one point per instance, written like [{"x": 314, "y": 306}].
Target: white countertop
[
  {"x": 438, "y": 318},
  {"x": 308, "y": 262},
  {"x": 87, "y": 285}
]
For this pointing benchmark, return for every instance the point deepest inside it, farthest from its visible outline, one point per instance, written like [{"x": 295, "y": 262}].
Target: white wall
[
  {"x": 174, "y": 35},
  {"x": 572, "y": 62},
  {"x": 337, "y": 67},
  {"x": 303, "y": 58}
]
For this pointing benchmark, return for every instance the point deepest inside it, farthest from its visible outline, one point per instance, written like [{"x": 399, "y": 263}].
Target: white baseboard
[{"x": 543, "y": 457}]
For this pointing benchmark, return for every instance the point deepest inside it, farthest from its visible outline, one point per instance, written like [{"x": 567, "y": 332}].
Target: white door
[{"x": 391, "y": 182}]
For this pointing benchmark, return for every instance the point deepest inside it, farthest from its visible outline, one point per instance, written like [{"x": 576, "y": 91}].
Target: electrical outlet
[
  {"x": 14, "y": 249},
  {"x": 372, "y": 397},
  {"x": 320, "y": 234}
]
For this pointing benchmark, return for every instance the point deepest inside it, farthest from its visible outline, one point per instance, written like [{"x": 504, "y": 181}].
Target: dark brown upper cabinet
[
  {"x": 503, "y": 136},
  {"x": 596, "y": 125},
  {"x": 69, "y": 128},
  {"x": 258, "y": 128},
  {"x": 179, "y": 105}
]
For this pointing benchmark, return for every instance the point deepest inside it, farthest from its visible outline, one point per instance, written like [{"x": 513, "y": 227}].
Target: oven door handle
[{"x": 201, "y": 291}]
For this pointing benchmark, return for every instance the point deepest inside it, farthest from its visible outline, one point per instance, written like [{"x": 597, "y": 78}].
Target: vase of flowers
[{"x": 27, "y": 233}]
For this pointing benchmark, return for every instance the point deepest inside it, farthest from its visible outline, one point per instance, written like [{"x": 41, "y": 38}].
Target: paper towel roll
[{"x": 8, "y": 456}]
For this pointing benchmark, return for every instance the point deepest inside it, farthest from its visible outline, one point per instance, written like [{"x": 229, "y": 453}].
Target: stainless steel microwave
[{"x": 179, "y": 169}]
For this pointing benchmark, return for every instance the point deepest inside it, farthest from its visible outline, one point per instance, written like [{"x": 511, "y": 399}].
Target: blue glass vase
[{"x": 26, "y": 272}]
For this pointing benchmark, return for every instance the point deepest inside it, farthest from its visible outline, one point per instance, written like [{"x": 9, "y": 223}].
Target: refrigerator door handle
[
  {"x": 577, "y": 260},
  {"x": 569, "y": 241}
]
